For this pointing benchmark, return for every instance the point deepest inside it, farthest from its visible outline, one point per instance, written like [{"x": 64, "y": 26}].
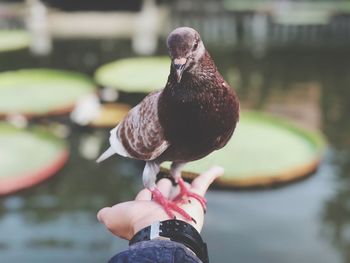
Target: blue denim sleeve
[{"x": 156, "y": 251}]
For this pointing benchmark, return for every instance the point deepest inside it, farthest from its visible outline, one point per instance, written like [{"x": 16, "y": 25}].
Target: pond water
[{"x": 307, "y": 221}]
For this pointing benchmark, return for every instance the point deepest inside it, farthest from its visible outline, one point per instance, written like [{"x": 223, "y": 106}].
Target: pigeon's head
[{"x": 185, "y": 49}]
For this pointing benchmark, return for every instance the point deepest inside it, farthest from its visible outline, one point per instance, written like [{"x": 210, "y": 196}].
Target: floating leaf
[
  {"x": 111, "y": 114},
  {"x": 28, "y": 156},
  {"x": 41, "y": 91},
  {"x": 264, "y": 150},
  {"x": 13, "y": 40},
  {"x": 144, "y": 74}
]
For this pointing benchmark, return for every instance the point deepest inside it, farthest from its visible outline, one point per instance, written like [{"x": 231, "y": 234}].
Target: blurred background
[{"x": 287, "y": 58}]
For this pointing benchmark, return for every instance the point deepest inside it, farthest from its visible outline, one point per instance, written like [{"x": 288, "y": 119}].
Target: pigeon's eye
[{"x": 195, "y": 46}]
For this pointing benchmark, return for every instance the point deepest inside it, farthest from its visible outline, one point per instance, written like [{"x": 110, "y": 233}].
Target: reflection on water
[
  {"x": 336, "y": 210},
  {"x": 308, "y": 221}
]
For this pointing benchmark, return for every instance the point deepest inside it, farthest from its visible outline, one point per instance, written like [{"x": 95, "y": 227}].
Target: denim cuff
[{"x": 156, "y": 251}]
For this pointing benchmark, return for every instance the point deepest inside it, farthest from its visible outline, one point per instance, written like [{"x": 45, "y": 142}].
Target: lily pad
[
  {"x": 111, "y": 114},
  {"x": 14, "y": 40},
  {"x": 41, "y": 91},
  {"x": 143, "y": 74},
  {"x": 28, "y": 157},
  {"x": 264, "y": 150}
]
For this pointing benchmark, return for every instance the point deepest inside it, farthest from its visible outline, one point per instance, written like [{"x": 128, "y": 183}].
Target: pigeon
[{"x": 193, "y": 115}]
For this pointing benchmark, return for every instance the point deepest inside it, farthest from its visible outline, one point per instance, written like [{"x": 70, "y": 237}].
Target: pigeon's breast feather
[{"x": 203, "y": 119}]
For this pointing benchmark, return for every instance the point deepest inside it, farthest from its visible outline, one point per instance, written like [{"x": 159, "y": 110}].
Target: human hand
[{"x": 126, "y": 219}]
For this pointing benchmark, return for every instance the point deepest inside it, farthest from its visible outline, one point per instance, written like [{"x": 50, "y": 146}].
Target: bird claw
[
  {"x": 169, "y": 206},
  {"x": 184, "y": 194}
]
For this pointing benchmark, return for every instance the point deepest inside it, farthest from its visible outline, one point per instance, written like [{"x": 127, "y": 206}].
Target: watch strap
[{"x": 175, "y": 230}]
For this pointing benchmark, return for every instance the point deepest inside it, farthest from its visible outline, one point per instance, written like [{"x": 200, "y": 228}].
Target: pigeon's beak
[{"x": 179, "y": 64}]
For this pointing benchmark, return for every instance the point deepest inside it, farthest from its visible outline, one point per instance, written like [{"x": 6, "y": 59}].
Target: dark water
[{"x": 308, "y": 221}]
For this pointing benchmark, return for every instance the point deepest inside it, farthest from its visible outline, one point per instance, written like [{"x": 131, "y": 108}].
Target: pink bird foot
[
  {"x": 185, "y": 194},
  {"x": 169, "y": 206}
]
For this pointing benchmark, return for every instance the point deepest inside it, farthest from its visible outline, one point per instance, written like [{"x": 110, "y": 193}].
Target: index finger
[{"x": 203, "y": 181}]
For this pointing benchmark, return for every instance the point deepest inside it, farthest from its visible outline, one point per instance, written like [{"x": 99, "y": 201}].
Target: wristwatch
[{"x": 175, "y": 230}]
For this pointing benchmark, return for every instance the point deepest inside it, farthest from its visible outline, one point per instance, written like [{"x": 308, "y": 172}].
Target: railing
[{"x": 263, "y": 24}]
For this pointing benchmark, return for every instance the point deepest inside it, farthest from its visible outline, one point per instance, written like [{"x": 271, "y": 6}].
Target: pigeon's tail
[{"x": 108, "y": 153}]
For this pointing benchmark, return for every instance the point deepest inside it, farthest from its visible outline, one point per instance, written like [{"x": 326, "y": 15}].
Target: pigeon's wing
[{"x": 140, "y": 133}]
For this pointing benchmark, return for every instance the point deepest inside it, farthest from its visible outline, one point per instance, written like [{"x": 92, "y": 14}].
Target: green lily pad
[
  {"x": 14, "y": 40},
  {"x": 28, "y": 157},
  {"x": 264, "y": 150},
  {"x": 110, "y": 115},
  {"x": 41, "y": 91},
  {"x": 143, "y": 74}
]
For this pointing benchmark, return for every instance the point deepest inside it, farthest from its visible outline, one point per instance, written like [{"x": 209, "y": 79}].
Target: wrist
[
  {"x": 174, "y": 230},
  {"x": 142, "y": 223}
]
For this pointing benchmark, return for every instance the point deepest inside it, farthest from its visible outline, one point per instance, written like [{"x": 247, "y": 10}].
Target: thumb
[
  {"x": 102, "y": 214},
  {"x": 116, "y": 219},
  {"x": 203, "y": 181}
]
